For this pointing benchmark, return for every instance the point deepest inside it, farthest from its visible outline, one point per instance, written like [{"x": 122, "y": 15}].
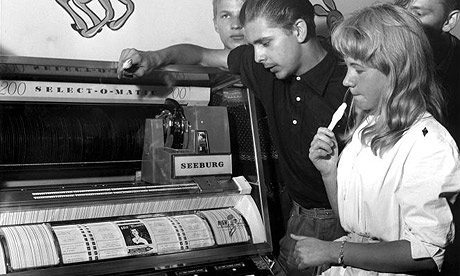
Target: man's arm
[{"x": 143, "y": 62}]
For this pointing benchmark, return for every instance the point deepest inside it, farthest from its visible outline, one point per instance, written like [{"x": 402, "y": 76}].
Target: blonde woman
[{"x": 400, "y": 169}]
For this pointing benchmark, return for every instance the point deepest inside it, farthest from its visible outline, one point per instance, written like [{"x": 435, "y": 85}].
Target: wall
[{"x": 43, "y": 28}]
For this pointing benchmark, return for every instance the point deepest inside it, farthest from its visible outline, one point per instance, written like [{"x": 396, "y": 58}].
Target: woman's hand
[
  {"x": 324, "y": 152},
  {"x": 310, "y": 252}
]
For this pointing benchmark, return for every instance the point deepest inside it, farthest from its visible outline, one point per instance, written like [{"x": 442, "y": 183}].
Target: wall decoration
[
  {"x": 97, "y": 24},
  {"x": 333, "y": 16}
]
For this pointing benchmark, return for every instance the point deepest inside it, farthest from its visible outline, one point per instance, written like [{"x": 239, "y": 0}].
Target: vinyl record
[
  {"x": 105, "y": 134},
  {"x": 2, "y": 136},
  {"x": 28, "y": 141},
  {"x": 115, "y": 140},
  {"x": 6, "y": 155},
  {"x": 32, "y": 136},
  {"x": 52, "y": 140},
  {"x": 40, "y": 150},
  {"x": 22, "y": 145},
  {"x": 89, "y": 133},
  {"x": 62, "y": 139},
  {"x": 11, "y": 142},
  {"x": 75, "y": 138},
  {"x": 47, "y": 152}
]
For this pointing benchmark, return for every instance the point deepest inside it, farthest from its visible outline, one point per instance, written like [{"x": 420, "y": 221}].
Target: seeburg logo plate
[{"x": 196, "y": 165}]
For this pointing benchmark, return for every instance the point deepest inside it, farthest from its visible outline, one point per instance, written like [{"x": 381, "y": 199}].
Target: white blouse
[{"x": 405, "y": 193}]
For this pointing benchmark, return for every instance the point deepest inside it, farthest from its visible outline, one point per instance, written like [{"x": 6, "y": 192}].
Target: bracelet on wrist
[{"x": 341, "y": 253}]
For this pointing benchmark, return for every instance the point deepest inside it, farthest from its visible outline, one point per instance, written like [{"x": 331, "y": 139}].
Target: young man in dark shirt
[{"x": 299, "y": 83}]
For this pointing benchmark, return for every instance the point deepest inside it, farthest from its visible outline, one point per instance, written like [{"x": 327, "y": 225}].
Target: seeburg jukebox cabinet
[{"x": 152, "y": 176}]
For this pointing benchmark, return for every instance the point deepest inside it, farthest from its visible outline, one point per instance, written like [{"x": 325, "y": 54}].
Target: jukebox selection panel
[{"x": 43, "y": 245}]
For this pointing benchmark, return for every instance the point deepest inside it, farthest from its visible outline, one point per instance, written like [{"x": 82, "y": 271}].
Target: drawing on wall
[
  {"x": 333, "y": 16},
  {"x": 97, "y": 24}
]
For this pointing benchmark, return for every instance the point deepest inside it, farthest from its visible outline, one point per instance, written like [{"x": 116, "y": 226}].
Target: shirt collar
[{"x": 318, "y": 77}]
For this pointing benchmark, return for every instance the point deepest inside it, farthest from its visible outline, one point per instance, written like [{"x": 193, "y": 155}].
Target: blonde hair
[{"x": 390, "y": 39}]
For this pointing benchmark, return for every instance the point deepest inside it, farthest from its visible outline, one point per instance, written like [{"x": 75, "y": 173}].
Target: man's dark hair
[
  {"x": 280, "y": 13},
  {"x": 452, "y": 5}
]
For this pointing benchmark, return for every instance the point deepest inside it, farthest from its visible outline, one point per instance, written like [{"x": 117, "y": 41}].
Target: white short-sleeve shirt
[{"x": 405, "y": 193}]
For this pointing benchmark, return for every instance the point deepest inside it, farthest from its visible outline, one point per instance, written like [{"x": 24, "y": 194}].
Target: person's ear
[
  {"x": 451, "y": 21},
  {"x": 300, "y": 30}
]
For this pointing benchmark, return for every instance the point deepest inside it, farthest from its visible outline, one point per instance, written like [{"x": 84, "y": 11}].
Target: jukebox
[{"x": 101, "y": 176}]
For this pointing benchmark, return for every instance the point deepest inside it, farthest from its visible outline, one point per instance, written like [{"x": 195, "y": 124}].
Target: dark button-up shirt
[
  {"x": 448, "y": 70},
  {"x": 295, "y": 108}
]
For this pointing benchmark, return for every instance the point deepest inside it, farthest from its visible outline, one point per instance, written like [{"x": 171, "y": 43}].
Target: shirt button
[
  {"x": 297, "y": 99},
  {"x": 294, "y": 122},
  {"x": 298, "y": 78}
]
